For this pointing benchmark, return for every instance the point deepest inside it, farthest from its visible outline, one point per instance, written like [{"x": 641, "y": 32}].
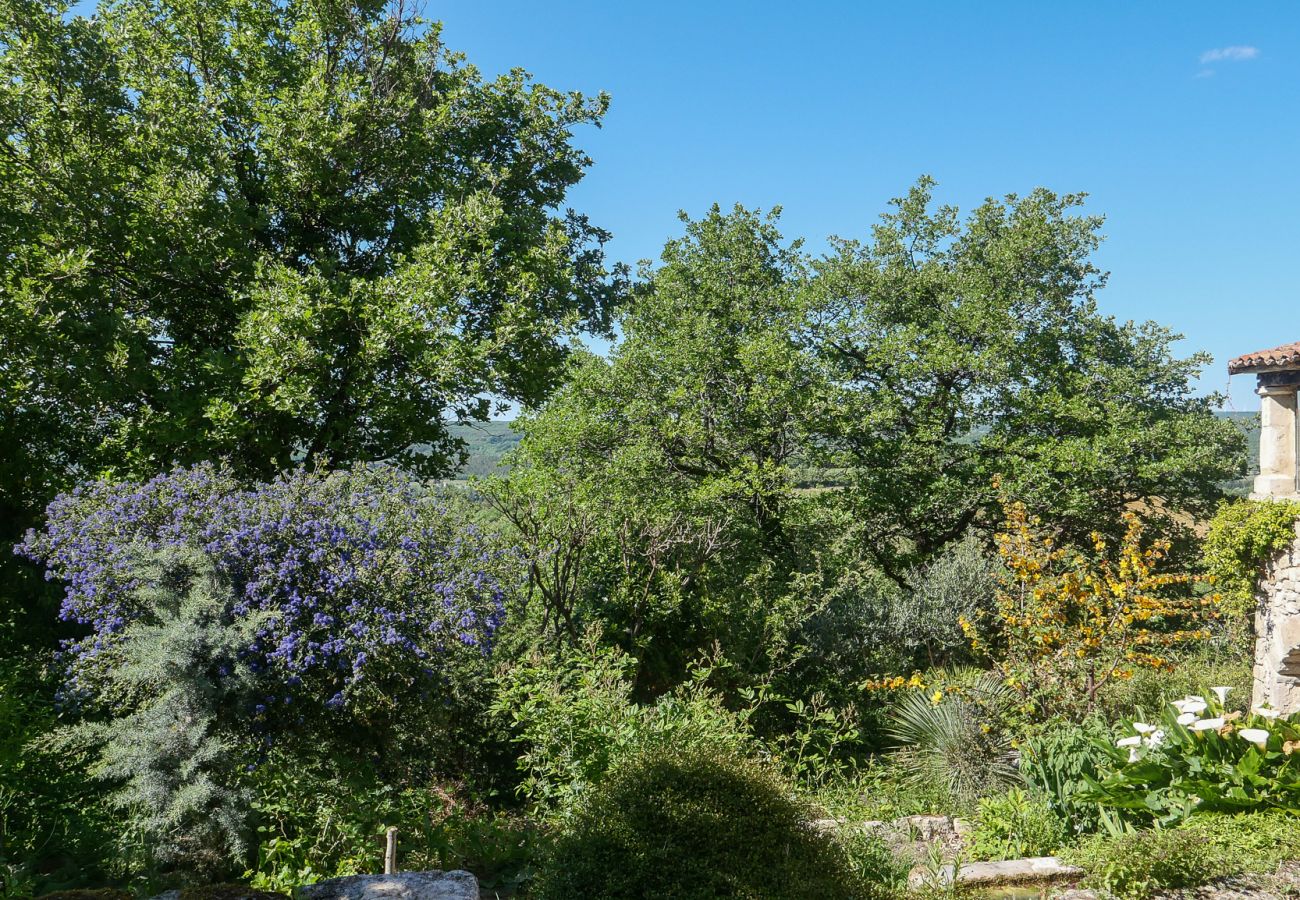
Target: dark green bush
[
  {"x": 88, "y": 894},
  {"x": 696, "y": 824}
]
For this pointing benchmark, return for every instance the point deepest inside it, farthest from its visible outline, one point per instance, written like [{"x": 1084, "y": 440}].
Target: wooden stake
[{"x": 390, "y": 853}]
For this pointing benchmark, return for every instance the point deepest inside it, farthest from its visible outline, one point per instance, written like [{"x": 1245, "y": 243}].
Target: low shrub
[
  {"x": 697, "y": 823},
  {"x": 1137, "y": 864},
  {"x": 1016, "y": 824},
  {"x": 879, "y": 788},
  {"x": 573, "y": 715}
]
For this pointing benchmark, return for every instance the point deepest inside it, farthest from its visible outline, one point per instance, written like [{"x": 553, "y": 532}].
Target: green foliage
[
  {"x": 882, "y": 788},
  {"x": 960, "y": 582},
  {"x": 574, "y": 718},
  {"x": 1060, "y": 762},
  {"x": 1137, "y": 864},
  {"x": 1218, "y": 661},
  {"x": 696, "y": 823},
  {"x": 654, "y": 492},
  {"x": 168, "y": 747},
  {"x": 1222, "y": 762},
  {"x": 817, "y": 744},
  {"x": 54, "y": 826},
  {"x": 320, "y": 817},
  {"x": 965, "y": 350},
  {"x": 246, "y": 229},
  {"x": 1015, "y": 824},
  {"x": 869, "y": 623},
  {"x": 1242, "y": 538},
  {"x": 956, "y": 741}
]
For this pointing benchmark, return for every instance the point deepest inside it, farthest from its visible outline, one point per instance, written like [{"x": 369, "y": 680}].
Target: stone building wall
[{"x": 1277, "y": 629}]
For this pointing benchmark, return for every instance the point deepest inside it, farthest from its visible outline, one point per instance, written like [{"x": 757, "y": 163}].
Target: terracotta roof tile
[{"x": 1286, "y": 356}]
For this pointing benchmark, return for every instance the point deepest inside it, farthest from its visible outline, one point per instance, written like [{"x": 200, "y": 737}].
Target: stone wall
[{"x": 1277, "y": 629}]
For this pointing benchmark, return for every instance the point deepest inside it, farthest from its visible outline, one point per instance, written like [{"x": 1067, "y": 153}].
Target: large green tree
[
  {"x": 971, "y": 354},
  {"x": 264, "y": 229},
  {"x": 654, "y": 492},
  {"x": 924, "y": 371}
]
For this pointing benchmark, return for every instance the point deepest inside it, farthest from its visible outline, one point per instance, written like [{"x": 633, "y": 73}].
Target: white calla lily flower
[
  {"x": 1186, "y": 718},
  {"x": 1129, "y": 741},
  {"x": 1266, "y": 712},
  {"x": 1256, "y": 736},
  {"x": 1143, "y": 728},
  {"x": 1207, "y": 724},
  {"x": 1221, "y": 693}
]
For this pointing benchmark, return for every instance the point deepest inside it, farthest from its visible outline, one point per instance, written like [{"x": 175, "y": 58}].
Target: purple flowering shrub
[{"x": 365, "y": 586}]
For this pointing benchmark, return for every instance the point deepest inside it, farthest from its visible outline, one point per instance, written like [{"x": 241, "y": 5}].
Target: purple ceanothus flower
[{"x": 354, "y": 573}]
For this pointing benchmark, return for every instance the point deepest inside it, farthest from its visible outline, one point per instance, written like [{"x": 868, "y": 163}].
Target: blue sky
[{"x": 1181, "y": 120}]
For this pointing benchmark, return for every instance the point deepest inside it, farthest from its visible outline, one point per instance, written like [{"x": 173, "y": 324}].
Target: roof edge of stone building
[{"x": 1285, "y": 357}]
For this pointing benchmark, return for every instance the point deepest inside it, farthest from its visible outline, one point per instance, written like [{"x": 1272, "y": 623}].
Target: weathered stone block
[
  {"x": 433, "y": 885},
  {"x": 1277, "y": 630}
]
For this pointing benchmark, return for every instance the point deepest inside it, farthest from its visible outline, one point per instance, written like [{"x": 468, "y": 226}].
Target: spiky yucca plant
[{"x": 954, "y": 740}]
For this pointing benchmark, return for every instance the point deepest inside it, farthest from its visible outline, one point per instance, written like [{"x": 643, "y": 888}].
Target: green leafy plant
[
  {"x": 55, "y": 826},
  {"x": 1058, "y": 762},
  {"x": 880, "y": 787},
  {"x": 1198, "y": 758},
  {"x": 696, "y": 823},
  {"x": 168, "y": 751},
  {"x": 1240, "y": 540},
  {"x": 1015, "y": 824},
  {"x": 815, "y": 745}
]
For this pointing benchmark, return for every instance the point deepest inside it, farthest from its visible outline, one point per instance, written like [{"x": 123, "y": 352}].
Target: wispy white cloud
[{"x": 1229, "y": 54}]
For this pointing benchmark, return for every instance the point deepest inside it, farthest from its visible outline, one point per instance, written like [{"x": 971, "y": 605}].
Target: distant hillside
[
  {"x": 489, "y": 443},
  {"x": 1248, "y": 422}
]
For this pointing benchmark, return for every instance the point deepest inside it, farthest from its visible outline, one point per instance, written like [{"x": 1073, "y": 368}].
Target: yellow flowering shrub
[{"x": 1066, "y": 622}]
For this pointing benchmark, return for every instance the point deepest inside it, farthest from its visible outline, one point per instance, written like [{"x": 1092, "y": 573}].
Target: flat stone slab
[
  {"x": 1010, "y": 871},
  {"x": 433, "y": 885}
]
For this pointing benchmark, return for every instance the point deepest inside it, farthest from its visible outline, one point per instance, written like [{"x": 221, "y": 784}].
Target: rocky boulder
[{"x": 432, "y": 885}]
